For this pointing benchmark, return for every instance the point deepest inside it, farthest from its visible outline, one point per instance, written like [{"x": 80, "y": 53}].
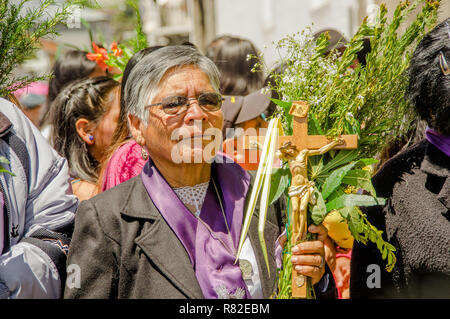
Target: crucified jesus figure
[{"x": 301, "y": 190}]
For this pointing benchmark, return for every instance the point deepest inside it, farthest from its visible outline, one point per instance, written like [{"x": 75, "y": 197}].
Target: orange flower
[
  {"x": 115, "y": 49},
  {"x": 100, "y": 55}
]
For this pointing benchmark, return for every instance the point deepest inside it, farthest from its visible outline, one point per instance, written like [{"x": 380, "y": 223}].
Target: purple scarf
[
  {"x": 441, "y": 141},
  {"x": 213, "y": 263}
]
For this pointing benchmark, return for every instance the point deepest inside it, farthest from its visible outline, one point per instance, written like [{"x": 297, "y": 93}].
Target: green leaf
[
  {"x": 367, "y": 161},
  {"x": 354, "y": 222},
  {"x": 385, "y": 253},
  {"x": 4, "y": 160},
  {"x": 354, "y": 200},
  {"x": 335, "y": 179},
  {"x": 343, "y": 157},
  {"x": 278, "y": 184},
  {"x": 117, "y": 76},
  {"x": 319, "y": 210},
  {"x": 285, "y": 105},
  {"x": 3, "y": 170},
  {"x": 345, "y": 212},
  {"x": 389, "y": 259},
  {"x": 314, "y": 126},
  {"x": 360, "y": 179},
  {"x": 339, "y": 191},
  {"x": 315, "y": 167}
]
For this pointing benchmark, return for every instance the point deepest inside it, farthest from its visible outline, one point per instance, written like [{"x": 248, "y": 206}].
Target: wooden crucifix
[
  {"x": 296, "y": 149},
  {"x": 300, "y": 138}
]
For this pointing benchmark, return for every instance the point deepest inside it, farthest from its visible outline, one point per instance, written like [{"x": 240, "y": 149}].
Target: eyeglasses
[{"x": 175, "y": 105}]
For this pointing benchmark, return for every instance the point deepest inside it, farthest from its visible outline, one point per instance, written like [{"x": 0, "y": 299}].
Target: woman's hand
[
  {"x": 342, "y": 276},
  {"x": 308, "y": 258}
]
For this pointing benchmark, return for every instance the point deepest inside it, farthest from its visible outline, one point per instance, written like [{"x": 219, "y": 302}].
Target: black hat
[{"x": 253, "y": 105}]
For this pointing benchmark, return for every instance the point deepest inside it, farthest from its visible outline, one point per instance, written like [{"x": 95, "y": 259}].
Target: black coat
[
  {"x": 415, "y": 220},
  {"x": 125, "y": 249}
]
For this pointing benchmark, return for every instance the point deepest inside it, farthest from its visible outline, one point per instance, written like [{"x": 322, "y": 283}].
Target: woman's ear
[
  {"x": 136, "y": 128},
  {"x": 83, "y": 129}
]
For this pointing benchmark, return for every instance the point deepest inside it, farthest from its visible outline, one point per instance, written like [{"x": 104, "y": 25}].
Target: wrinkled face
[
  {"x": 104, "y": 130},
  {"x": 190, "y": 137}
]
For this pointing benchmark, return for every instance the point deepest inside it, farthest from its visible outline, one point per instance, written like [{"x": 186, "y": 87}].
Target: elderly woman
[
  {"x": 416, "y": 182},
  {"x": 172, "y": 231}
]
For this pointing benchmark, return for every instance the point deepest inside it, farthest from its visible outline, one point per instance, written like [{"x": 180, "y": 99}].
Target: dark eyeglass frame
[{"x": 184, "y": 103}]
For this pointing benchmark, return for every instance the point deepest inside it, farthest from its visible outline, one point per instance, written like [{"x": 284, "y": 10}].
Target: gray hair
[{"x": 142, "y": 83}]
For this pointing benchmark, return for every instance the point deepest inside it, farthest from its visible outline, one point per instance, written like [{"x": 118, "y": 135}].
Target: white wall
[{"x": 265, "y": 21}]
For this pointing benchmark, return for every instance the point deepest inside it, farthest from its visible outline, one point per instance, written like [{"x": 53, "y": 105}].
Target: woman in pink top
[
  {"x": 125, "y": 158},
  {"x": 126, "y": 162}
]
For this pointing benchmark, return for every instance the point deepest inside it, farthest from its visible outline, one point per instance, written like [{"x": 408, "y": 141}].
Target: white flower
[
  {"x": 360, "y": 97},
  {"x": 288, "y": 78},
  {"x": 265, "y": 90},
  {"x": 315, "y": 100}
]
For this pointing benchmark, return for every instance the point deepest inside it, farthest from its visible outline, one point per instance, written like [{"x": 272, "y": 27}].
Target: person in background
[
  {"x": 83, "y": 118},
  {"x": 248, "y": 115},
  {"x": 416, "y": 183},
  {"x": 32, "y": 98},
  {"x": 235, "y": 58},
  {"x": 37, "y": 210},
  {"x": 252, "y": 119},
  {"x": 125, "y": 158},
  {"x": 72, "y": 65}
]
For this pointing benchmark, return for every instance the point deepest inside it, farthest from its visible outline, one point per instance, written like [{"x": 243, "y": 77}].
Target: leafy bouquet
[
  {"x": 118, "y": 55},
  {"x": 367, "y": 101}
]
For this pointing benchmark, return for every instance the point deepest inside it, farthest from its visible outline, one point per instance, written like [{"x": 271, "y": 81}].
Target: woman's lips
[{"x": 201, "y": 136}]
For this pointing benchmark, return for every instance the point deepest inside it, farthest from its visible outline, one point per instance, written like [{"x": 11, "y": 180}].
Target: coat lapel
[
  {"x": 160, "y": 244},
  {"x": 437, "y": 163}
]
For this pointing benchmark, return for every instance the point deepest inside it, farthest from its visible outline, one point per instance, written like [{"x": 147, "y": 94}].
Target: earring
[
  {"x": 443, "y": 63},
  {"x": 91, "y": 138},
  {"x": 144, "y": 154}
]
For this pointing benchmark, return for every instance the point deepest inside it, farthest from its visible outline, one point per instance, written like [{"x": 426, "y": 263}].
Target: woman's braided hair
[{"x": 89, "y": 99}]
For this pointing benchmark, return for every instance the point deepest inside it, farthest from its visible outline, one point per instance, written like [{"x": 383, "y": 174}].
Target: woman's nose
[{"x": 195, "y": 113}]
